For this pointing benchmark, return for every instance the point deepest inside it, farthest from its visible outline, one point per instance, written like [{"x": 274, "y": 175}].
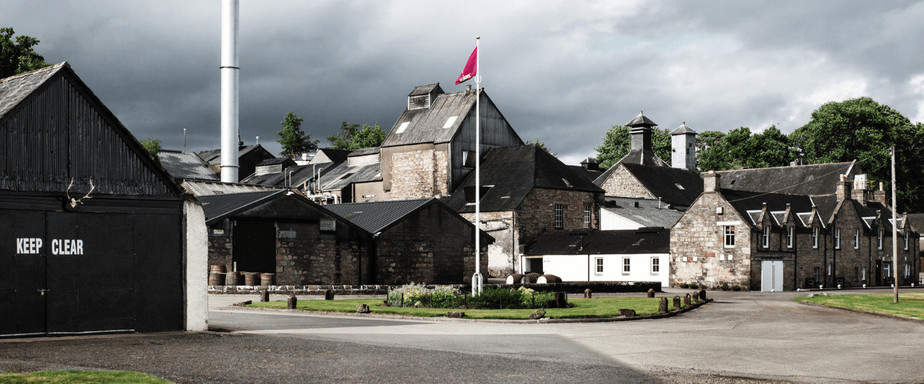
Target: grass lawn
[
  {"x": 600, "y": 307},
  {"x": 910, "y": 305},
  {"x": 80, "y": 377}
]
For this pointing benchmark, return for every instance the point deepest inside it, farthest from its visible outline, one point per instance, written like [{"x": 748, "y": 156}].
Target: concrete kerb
[
  {"x": 861, "y": 312},
  {"x": 544, "y": 320}
]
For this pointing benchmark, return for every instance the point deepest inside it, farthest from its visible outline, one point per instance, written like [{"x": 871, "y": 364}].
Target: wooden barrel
[
  {"x": 232, "y": 278},
  {"x": 267, "y": 279},
  {"x": 530, "y": 278},
  {"x": 514, "y": 279},
  {"x": 251, "y": 278},
  {"x": 218, "y": 268},
  {"x": 548, "y": 279},
  {"x": 216, "y": 278}
]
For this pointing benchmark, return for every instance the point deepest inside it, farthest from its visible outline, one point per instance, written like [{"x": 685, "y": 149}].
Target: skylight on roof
[
  {"x": 679, "y": 186},
  {"x": 403, "y": 127},
  {"x": 450, "y": 122},
  {"x": 568, "y": 183}
]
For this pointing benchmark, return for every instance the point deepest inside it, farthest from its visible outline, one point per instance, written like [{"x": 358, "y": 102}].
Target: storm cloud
[{"x": 561, "y": 72}]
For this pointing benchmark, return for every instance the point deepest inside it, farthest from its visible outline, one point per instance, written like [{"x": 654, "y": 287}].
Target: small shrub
[
  {"x": 724, "y": 286},
  {"x": 736, "y": 288},
  {"x": 693, "y": 286}
]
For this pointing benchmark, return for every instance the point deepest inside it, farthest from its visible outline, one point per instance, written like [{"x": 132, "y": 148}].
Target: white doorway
[{"x": 771, "y": 275}]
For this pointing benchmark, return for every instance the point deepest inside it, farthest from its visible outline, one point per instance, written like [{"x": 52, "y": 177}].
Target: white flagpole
[{"x": 476, "y": 279}]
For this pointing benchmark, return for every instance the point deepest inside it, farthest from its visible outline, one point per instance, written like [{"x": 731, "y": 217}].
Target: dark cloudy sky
[{"x": 562, "y": 72}]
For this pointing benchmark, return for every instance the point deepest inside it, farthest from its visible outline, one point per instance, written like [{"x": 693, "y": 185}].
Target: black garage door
[{"x": 74, "y": 273}]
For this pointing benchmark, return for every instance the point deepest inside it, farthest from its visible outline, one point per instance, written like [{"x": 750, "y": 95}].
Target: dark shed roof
[
  {"x": 675, "y": 186},
  {"x": 377, "y": 216},
  {"x": 814, "y": 179},
  {"x": 590, "y": 242},
  {"x": 219, "y": 206},
  {"x": 515, "y": 171},
  {"x": 185, "y": 165},
  {"x": 213, "y": 156},
  {"x": 647, "y": 212}
]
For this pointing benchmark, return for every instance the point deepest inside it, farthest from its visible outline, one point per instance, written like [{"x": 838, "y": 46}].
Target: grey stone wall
[
  {"x": 622, "y": 183},
  {"x": 698, "y": 252},
  {"x": 500, "y": 257}
]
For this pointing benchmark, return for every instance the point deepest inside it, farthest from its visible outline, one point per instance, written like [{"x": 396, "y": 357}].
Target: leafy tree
[
  {"x": 18, "y": 56},
  {"x": 294, "y": 141},
  {"x": 353, "y": 136},
  {"x": 617, "y": 143},
  {"x": 152, "y": 146},
  {"x": 742, "y": 149},
  {"x": 864, "y": 130}
]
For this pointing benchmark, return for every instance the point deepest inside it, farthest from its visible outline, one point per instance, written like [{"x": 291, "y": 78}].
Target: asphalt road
[{"x": 742, "y": 337}]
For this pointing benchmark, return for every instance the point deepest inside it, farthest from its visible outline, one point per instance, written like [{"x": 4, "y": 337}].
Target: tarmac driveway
[{"x": 742, "y": 337}]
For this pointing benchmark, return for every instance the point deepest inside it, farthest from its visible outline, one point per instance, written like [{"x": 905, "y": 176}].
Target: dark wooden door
[
  {"x": 878, "y": 272},
  {"x": 254, "y": 246},
  {"x": 89, "y": 273},
  {"x": 22, "y": 272}
]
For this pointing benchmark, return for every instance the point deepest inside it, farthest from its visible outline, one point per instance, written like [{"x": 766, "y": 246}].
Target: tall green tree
[
  {"x": 18, "y": 55},
  {"x": 617, "y": 142},
  {"x": 542, "y": 146},
  {"x": 353, "y": 136},
  {"x": 864, "y": 130},
  {"x": 294, "y": 141}
]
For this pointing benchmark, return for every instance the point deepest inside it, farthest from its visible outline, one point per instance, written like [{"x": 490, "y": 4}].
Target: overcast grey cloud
[{"x": 561, "y": 72}]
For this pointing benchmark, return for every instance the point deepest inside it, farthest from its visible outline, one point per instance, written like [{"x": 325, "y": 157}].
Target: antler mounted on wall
[{"x": 74, "y": 202}]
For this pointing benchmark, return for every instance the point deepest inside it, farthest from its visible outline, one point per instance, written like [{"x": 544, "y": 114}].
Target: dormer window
[{"x": 418, "y": 102}]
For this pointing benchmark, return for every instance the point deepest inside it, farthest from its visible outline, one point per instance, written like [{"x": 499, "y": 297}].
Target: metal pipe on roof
[{"x": 229, "y": 71}]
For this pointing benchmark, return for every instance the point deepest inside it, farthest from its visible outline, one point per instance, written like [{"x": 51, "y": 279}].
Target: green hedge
[{"x": 413, "y": 295}]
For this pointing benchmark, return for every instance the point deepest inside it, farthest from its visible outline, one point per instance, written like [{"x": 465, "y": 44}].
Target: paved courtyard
[{"x": 741, "y": 337}]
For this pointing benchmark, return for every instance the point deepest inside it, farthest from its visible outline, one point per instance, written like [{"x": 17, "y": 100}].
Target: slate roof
[
  {"x": 343, "y": 175},
  {"x": 641, "y": 121},
  {"x": 425, "y": 125},
  {"x": 185, "y": 165},
  {"x": 514, "y": 172},
  {"x": 592, "y": 242},
  {"x": 213, "y": 156},
  {"x": 647, "y": 213},
  {"x": 376, "y": 216},
  {"x": 276, "y": 160},
  {"x": 749, "y": 204},
  {"x": 218, "y": 206},
  {"x": 589, "y": 174},
  {"x": 424, "y": 89},
  {"x": 364, "y": 151},
  {"x": 917, "y": 222},
  {"x": 675, "y": 186},
  {"x": 683, "y": 129},
  {"x": 815, "y": 179},
  {"x": 336, "y": 156},
  {"x": 15, "y": 89},
  {"x": 201, "y": 188}
]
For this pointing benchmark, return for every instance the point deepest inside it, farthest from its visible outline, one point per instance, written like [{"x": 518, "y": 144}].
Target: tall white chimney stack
[{"x": 229, "y": 96}]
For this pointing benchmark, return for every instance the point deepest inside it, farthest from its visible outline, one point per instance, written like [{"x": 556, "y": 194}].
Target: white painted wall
[
  {"x": 583, "y": 267},
  {"x": 197, "y": 253},
  {"x": 610, "y": 220}
]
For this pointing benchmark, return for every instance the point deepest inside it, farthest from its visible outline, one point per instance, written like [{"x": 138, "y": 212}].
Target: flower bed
[{"x": 419, "y": 296}]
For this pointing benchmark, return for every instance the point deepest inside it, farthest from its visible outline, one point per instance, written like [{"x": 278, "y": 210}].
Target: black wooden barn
[{"x": 93, "y": 231}]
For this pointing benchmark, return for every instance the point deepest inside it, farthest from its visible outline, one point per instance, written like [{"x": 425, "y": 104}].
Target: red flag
[{"x": 471, "y": 68}]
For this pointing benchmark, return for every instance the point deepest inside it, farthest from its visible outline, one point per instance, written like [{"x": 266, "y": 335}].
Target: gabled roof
[
  {"x": 335, "y": 156},
  {"x": 219, "y": 206},
  {"x": 343, "y": 175},
  {"x": 815, "y": 179},
  {"x": 185, "y": 165},
  {"x": 213, "y": 156},
  {"x": 512, "y": 172},
  {"x": 201, "y": 188},
  {"x": 750, "y": 205},
  {"x": 647, "y": 212},
  {"x": 15, "y": 89},
  {"x": 675, "y": 186},
  {"x": 375, "y": 217},
  {"x": 435, "y": 124},
  {"x": 592, "y": 242}
]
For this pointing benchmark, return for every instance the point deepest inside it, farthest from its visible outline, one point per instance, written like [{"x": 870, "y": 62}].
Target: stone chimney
[
  {"x": 683, "y": 148},
  {"x": 844, "y": 188},
  {"x": 859, "y": 189},
  {"x": 710, "y": 181},
  {"x": 880, "y": 194},
  {"x": 590, "y": 164}
]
